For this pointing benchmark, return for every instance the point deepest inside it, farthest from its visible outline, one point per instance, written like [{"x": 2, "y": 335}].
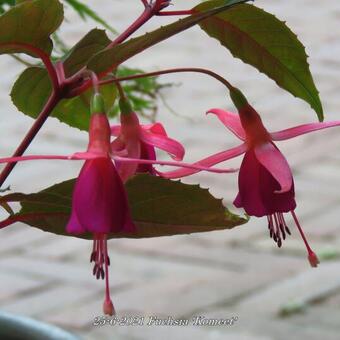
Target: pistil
[{"x": 312, "y": 257}]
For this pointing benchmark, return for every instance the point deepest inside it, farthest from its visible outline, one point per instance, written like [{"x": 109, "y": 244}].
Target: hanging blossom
[
  {"x": 266, "y": 185},
  {"x": 135, "y": 140},
  {"x": 99, "y": 203}
]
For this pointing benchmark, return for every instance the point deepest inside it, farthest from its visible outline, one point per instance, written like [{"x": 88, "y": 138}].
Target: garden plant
[{"x": 122, "y": 190}]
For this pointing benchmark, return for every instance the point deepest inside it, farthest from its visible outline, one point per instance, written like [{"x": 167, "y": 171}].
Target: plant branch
[
  {"x": 44, "y": 114},
  {"x": 147, "y": 14},
  {"x": 45, "y": 58},
  {"x": 169, "y": 71}
]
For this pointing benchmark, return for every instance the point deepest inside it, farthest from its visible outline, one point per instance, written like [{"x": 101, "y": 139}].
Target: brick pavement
[{"x": 240, "y": 273}]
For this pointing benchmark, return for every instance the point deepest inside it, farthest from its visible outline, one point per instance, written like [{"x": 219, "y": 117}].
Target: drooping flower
[
  {"x": 266, "y": 185},
  {"x": 135, "y": 140},
  {"x": 99, "y": 204}
]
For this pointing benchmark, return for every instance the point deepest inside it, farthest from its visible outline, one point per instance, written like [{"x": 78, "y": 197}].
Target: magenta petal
[
  {"x": 258, "y": 190},
  {"x": 147, "y": 152},
  {"x": 231, "y": 121},
  {"x": 156, "y": 128},
  {"x": 249, "y": 196},
  {"x": 117, "y": 144},
  {"x": 73, "y": 225},
  {"x": 99, "y": 197},
  {"x": 274, "y": 201},
  {"x": 238, "y": 201},
  {"x": 273, "y": 160},
  {"x": 206, "y": 162},
  {"x": 174, "y": 148},
  {"x": 127, "y": 170},
  {"x": 302, "y": 129}
]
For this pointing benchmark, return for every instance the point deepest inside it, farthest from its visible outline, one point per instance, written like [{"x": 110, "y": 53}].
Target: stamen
[
  {"x": 271, "y": 227},
  {"x": 277, "y": 231},
  {"x": 277, "y": 228},
  {"x": 93, "y": 254},
  {"x": 98, "y": 256},
  {"x": 286, "y": 227},
  {"x": 287, "y": 230},
  {"x": 313, "y": 259},
  {"x": 279, "y": 242},
  {"x": 281, "y": 221}
]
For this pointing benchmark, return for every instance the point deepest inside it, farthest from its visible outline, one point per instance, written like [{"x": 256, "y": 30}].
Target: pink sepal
[
  {"x": 276, "y": 164},
  {"x": 231, "y": 121}
]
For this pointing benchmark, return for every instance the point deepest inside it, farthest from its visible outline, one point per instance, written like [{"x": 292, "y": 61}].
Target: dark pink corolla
[
  {"x": 266, "y": 185},
  {"x": 135, "y": 140}
]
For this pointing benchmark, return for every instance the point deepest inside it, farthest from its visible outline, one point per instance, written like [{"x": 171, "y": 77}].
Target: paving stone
[
  {"x": 50, "y": 299},
  {"x": 60, "y": 248},
  {"x": 11, "y": 242},
  {"x": 59, "y": 271},
  {"x": 303, "y": 288},
  {"x": 14, "y": 285},
  {"x": 188, "y": 333}
]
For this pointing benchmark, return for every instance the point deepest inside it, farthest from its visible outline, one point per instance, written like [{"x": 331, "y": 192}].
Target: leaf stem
[{"x": 45, "y": 58}]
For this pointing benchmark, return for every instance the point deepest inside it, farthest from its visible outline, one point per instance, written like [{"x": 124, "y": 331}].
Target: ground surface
[{"x": 237, "y": 273}]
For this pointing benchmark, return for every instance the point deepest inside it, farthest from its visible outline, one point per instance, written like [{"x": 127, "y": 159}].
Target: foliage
[{"x": 61, "y": 85}]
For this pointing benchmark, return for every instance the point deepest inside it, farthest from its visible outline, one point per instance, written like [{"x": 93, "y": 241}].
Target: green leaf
[
  {"x": 93, "y": 42},
  {"x": 258, "y": 38},
  {"x": 30, "y": 23},
  {"x": 110, "y": 58},
  {"x": 159, "y": 207},
  {"x": 32, "y": 89}
]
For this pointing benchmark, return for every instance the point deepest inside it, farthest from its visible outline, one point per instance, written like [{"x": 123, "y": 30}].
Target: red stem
[
  {"x": 45, "y": 58},
  {"x": 39, "y": 122},
  {"x": 169, "y": 71},
  {"x": 147, "y": 14}
]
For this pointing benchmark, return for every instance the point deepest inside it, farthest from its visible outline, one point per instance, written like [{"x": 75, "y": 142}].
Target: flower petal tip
[{"x": 211, "y": 111}]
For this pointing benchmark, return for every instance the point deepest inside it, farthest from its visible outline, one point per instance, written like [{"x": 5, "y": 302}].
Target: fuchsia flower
[
  {"x": 99, "y": 203},
  {"x": 266, "y": 186},
  {"x": 139, "y": 141}
]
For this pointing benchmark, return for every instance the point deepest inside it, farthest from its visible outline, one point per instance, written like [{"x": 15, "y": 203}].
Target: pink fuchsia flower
[
  {"x": 135, "y": 140},
  {"x": 266, "y": 185},
  {"x": 100, "y": 205}
]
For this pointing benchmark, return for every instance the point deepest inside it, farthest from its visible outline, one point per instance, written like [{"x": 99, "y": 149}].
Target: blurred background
[{"x": 238, "y": 273}]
